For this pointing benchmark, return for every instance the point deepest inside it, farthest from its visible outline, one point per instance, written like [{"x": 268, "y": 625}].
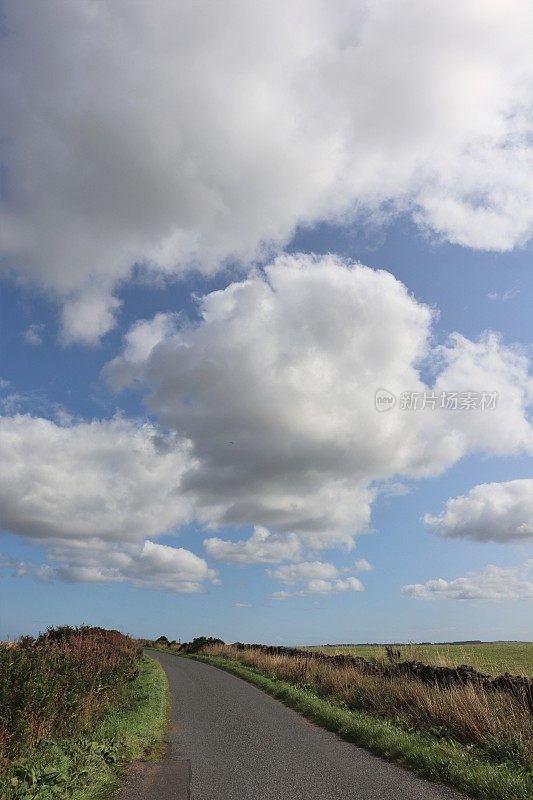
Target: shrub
[
  {"x": 199, "y": 643},
  {"x": 60, "y": 683}
]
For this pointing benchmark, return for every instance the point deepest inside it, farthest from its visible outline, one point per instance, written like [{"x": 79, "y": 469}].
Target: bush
[
  {"x": 200, "y": 642},
  {"x": 60, "y": 683}
]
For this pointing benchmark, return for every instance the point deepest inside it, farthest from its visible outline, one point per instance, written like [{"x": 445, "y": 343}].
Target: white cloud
[
  {"x": 150, "y": 565},
  {"x": 162, "y": 136},
  {"x": 34, "y": 334},
  {"x": 42, "y": 572},
  {"x": 393, "y": 489},
  {"x": 305, "y": 571},
  {"x": 494, "y": 583},
  {"x": 322, "y": 587},
  {"x": 138, "y": 343},
  {"x": 315, "y": 577},
  {"x": 319, "y": 586},
  {"x": 92, "y": 493},
  {"x": 242, "y": 605},
  {"x": 488, "y": 365},
  {"x": 88, "y": 315},
  {"x": 112, "y": 480},
  {"x": 362, "y": 565},
  {"x": 262, "y": 547},
  {"x": 498, "y": 512},
  {"x": 506, "y": 295},
  {"x": 274, "y": 389}
]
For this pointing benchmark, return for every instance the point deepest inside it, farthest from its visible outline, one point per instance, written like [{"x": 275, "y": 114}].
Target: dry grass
[{"x": 500, "y": 725}]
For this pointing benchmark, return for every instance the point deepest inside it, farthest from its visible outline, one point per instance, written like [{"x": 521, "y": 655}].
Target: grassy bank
[
  {"x": 90, "y": 765},
  {"x": 428, "y": 750},
  {"x": 76, "y": 704},
  {"x": 60, "y": 683}
]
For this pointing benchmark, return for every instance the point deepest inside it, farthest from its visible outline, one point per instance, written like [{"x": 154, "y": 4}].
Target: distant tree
[
  {"x": 199, "y": 643},
  {"x": 163, "y": 641}
]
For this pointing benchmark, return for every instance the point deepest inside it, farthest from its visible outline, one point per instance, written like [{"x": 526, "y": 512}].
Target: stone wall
[{"x": 517, "y": 685}]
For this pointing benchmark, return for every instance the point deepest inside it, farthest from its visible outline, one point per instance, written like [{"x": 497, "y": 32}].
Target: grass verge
[
  {"x": 439, "y": 760},
  {"x": 90, "y": 765}
]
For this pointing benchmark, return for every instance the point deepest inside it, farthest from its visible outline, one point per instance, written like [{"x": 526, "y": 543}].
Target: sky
[{"x": 265, "y": 307}]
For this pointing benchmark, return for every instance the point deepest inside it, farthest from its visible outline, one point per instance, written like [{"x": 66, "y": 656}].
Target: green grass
[
  {"x": 493, "y": 658},
  {"x": 90, "y": 765},
  {"x": 437, "y": 759}
]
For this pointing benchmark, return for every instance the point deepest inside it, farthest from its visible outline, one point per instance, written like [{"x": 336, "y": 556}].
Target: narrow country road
[{"x": 230, "y": 741}]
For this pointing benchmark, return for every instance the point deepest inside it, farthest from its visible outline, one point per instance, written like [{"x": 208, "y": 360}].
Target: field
[{"x": 494, "y": 658}]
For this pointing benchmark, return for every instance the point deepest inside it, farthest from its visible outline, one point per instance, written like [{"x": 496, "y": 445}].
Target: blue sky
[{"x": 216, "y": 467}]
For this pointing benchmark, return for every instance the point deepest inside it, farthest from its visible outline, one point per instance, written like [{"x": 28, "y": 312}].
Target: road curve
[{"x": 230, "y": 741}]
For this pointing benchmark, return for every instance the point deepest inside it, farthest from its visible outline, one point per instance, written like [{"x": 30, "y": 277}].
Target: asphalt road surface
[{"x": 230, "y": 741}]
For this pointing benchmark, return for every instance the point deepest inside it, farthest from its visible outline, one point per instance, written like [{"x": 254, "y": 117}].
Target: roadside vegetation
[
  {"x": 76, "y": 704},
  {"x": 480, "y": 741}
]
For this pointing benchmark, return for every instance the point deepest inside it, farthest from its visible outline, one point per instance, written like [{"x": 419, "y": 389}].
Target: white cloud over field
[
  {"x": 497, "y": 512},
  {"x": 173, "y": 135},
  {"x": 494, "y": 583}
]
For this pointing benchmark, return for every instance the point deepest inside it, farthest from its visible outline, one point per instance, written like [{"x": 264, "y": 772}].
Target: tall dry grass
[
  {"x": 60, "y": 683},
  {"x": 499, "y": 724}
]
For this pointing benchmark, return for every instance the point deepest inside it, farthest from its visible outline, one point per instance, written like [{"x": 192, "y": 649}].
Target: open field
[
  {"x": 476, "y": 739},
  {"x": 494, "y": 658}
]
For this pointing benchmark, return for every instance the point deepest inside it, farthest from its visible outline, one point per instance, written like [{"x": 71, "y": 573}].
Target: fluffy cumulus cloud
[
  {"x": 150, "y": 565},
  {"x": 319, "y": 586},
  {"x": 313, "y": 577},
  {"x": 494, "y": 583},
  {"x": 274, "y": 389},
  {"x": 92, "y": 494},
  {"x": 305, "y": 571},
  {"x": 112, "y": 479},
  {"x": 177, "y": 135},
  {"x": 262, "y": 547},
  {"x": 497, "y": 512},
  {"x": 362, "y": 565}
]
